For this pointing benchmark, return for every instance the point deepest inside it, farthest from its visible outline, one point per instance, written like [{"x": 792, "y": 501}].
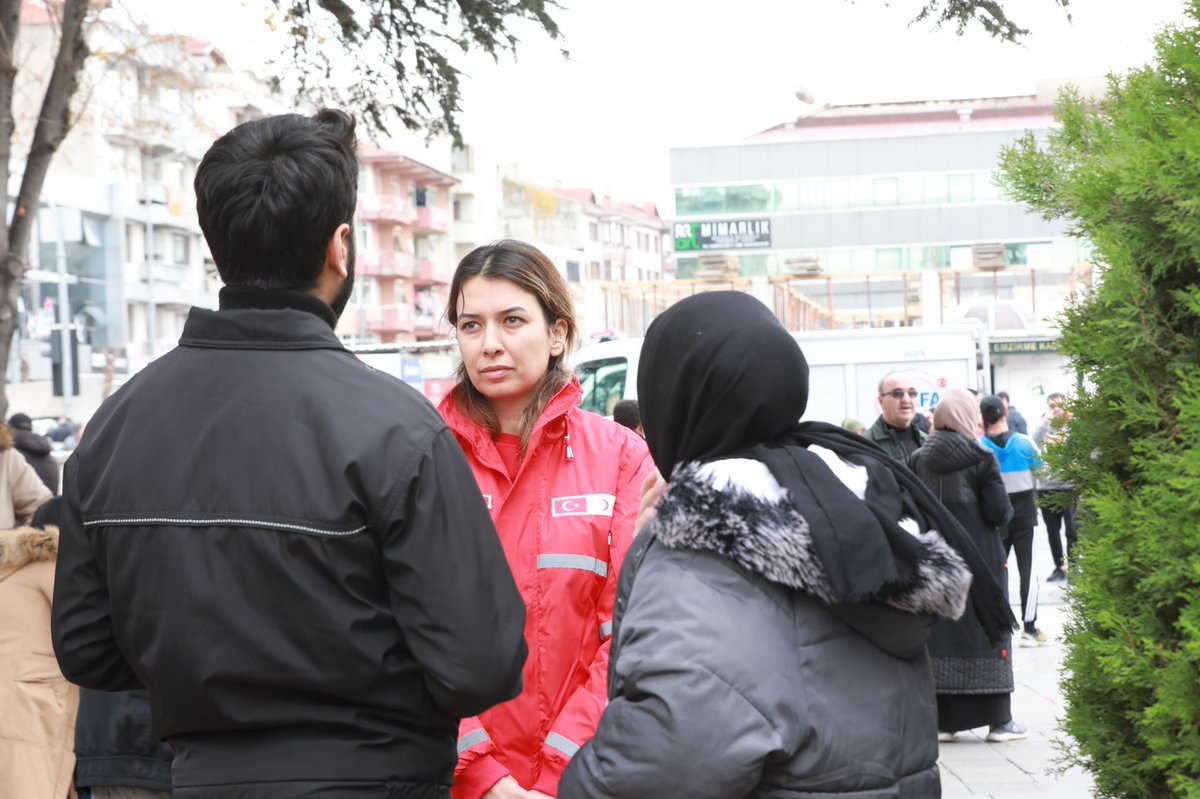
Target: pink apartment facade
[{"x": 404, "y": 254}]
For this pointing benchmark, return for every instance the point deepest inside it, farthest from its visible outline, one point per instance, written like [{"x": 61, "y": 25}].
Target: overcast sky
[{"x": 648, "y": 75}]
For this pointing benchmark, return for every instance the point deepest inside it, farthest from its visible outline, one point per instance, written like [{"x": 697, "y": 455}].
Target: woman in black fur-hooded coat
[
  {"x": 973, "y": 675},
  {"x": 771, "y": 621}
]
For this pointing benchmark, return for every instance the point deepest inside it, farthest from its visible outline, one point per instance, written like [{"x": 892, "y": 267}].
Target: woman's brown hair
[{"x": 528, "y": 268}]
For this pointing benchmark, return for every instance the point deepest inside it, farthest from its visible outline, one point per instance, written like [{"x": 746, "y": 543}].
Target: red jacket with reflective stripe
[{"x": 565, "y": 521}]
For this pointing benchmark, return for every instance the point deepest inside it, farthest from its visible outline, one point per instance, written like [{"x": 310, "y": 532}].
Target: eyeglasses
[{"x": 898, "y": 393}]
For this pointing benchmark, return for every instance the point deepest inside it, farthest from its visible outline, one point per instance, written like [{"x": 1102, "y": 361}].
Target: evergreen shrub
[{"x": 1125, "y": 173}]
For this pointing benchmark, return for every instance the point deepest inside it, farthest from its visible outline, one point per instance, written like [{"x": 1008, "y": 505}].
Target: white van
[
  {"x": 607, "y": 372},
  {"x": 845, "y": 367}
]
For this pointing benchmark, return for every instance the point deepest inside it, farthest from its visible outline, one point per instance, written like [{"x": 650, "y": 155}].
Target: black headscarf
[{"x": 720, "y": 377}]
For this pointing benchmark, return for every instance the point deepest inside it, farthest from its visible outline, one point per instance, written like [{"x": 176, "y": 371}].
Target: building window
[
  {"x": 594, "y": 270},
  {"x": 886, "y": 191},
  {"x": 573, "y": 271},
  {"x": 593, "y": 231},
  {"x": 933, "y": 189},
  {"x": 180, "y": 248},
  {"x": 608, "y": 270},
  {"x": 888, "y": 259},
  {"x": 837, "y": 193},
  {"x": 962, "y": 188},
  {"x": 986, "y": 189},
  {"x": 457, "y": 210},
  {"x": 911, "y": 191},
  {"x": 961, "y": 258},
  {"x": 364, "y": 181}
]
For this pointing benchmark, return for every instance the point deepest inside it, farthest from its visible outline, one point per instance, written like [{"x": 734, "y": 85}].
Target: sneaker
[
  {"x": 1058, "y": 575},
  {"x": 1009, "y": 731},
  {"x": 947, "y": 737},
  {"x": 1035, "y": 638}
]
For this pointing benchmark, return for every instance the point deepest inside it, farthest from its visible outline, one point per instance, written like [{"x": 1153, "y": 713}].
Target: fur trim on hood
[
  {"x": 27, "y": 545},
  {"x": 736, "y": 509}
]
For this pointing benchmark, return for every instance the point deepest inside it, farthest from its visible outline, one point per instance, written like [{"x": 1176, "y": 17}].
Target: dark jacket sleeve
[
  {"x": 993, "y": 497},
  {"x": 81, "y": 624},
  {"x": 679, "y": 727},
  {"x": 453, "y": 594}
]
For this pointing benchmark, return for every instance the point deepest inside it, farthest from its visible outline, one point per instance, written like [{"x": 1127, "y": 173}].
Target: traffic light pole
[{"x": 64, "y": 315}]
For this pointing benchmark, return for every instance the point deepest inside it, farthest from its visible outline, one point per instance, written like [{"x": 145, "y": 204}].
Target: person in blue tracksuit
[{"x": 1019, "y": 461}]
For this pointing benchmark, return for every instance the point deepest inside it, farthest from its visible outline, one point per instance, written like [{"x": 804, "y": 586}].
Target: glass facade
[
  {"x": 840, "y": 260},
  {"x": 835, "y": 194}
]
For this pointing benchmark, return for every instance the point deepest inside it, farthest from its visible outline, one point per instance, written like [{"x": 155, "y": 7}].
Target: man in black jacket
[
  {"x": 36, "y": 450},
  {"x": 286, "y": 547}
]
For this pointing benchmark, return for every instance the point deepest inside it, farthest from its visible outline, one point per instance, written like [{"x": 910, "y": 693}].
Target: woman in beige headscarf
[
  {"x": 973, "y": 678},
  {"x": 37, "y": 704}
]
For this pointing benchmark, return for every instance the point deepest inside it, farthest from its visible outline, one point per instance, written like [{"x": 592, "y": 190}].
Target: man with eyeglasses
[{"x": 894, "y": 429}]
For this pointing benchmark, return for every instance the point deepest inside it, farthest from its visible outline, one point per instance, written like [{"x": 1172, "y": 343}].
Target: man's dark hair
[
  {"x": 626, "y": 412},
  {"x": 271, "y": 192},
  {"x": 1004, "y": 396}
]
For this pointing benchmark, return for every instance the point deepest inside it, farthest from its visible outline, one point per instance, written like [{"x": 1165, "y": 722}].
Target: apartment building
[
  {"x": 120, "y": 186},
  {"x": 404, "y": 251}
]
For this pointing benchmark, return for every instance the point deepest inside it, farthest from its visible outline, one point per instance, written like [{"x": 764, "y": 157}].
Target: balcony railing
[
  {"x": 428, "y": 271},
  {"x": 386, "y": 263},
  {"x": 384, "y": 208},
  {"x": 432, "y": 326},
  {"x": 433, "y": 218},
  {"x": 390, "y": 319}
]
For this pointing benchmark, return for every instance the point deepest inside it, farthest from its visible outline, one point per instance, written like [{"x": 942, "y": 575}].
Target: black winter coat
[
  {"x": 114, "y": 745},
  {"x": 36, "y": 450},
  {"x": 289, "y": 550},
  {"x": 966, "y": 478}
]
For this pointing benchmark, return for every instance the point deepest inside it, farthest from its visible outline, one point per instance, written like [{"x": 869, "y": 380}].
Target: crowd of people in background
[
  {"x": 981, "y": 463},
  {"x": 505, "y": 597}
]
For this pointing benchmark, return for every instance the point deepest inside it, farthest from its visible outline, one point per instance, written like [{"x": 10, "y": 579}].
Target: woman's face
[{"x": 505, "y": 340}]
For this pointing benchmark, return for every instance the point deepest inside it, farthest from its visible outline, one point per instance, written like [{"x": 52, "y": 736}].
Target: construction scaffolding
[{"x": 1010, "y": 297}]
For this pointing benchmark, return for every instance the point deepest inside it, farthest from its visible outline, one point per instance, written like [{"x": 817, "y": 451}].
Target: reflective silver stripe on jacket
[
  {"x": 605, "y": 631},
  {"x": 284, "y": 526},
  {"x": 564, "y": 745},
  {"x": 473, "y": 738},
  {"x": 581, "y": 562}
]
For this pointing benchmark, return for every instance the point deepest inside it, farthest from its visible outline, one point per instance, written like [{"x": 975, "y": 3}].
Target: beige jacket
[
  {"x": 37, "y": 704},
  {"x": 21, "y": 490}
]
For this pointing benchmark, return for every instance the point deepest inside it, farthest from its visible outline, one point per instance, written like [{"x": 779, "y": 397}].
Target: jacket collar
[
  {"x": 260, "y": 319},
  {"x": 241, "y": 298},
  {"x": 736, "y": 509},
  {"x": 556, "y": 411}
]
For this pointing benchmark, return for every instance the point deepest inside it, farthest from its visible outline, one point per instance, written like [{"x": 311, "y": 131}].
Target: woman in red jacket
[{"x": 563, "y": 488}]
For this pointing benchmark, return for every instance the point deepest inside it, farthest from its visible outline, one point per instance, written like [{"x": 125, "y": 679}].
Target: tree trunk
[
  {"x": 54, "y": 122},
  {"x": 10, "y": 25}
]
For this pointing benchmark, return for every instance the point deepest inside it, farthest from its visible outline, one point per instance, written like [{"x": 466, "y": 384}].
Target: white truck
[{"x": 845, "y": 367}]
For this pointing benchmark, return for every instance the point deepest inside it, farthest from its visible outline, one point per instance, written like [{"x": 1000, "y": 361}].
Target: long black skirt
[{"x": 967, "y": 711}]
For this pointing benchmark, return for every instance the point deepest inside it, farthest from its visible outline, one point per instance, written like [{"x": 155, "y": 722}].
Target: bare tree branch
[
  {"x": 401, "y": 52},
  {"x": 989, "y": 14},
  {"x": 53, "y": 123}
]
